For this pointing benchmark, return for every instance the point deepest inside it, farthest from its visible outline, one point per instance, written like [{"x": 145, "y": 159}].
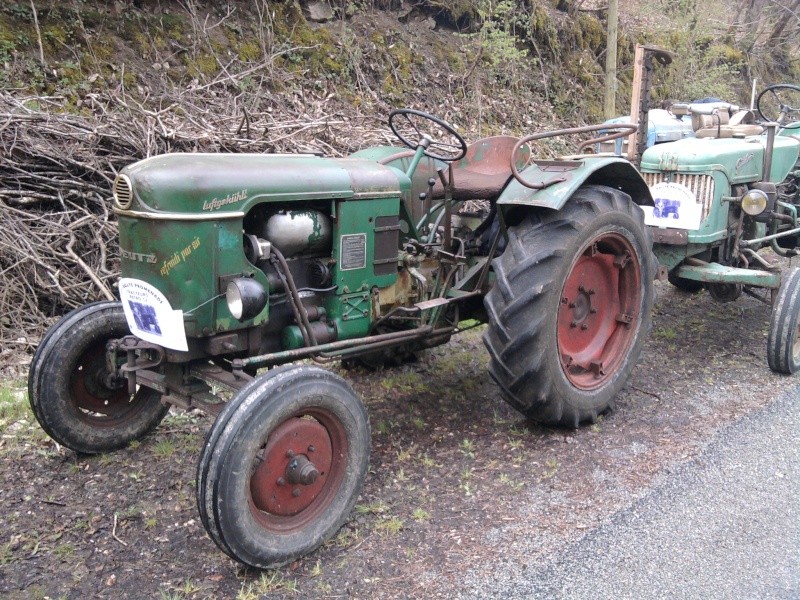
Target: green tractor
[
  {"x": 727, "y": 193},
  {"x": 235, "y": 266}
]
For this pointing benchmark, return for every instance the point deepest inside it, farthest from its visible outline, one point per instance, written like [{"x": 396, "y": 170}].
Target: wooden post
[
  {"x": 609, "y": 106},
  {"x": 636, "y": 99}
]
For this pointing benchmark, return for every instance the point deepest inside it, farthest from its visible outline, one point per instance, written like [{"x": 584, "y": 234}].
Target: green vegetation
[{"x": 546, "y": 54}]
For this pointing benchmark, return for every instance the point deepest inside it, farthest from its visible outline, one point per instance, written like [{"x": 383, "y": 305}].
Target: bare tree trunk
[{"x": 790, "y": 13}]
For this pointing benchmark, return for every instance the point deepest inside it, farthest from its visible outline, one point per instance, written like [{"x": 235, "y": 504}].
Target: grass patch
[
  {"x": 420, "y": 515},
  {"x": 14, "y": 405},
  {"x": 391, "y": 526},
  {"x": 164, "y": 448},
  {"x": 373, "y": 508}
]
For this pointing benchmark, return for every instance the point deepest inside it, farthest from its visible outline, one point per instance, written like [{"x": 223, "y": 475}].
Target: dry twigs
[{"x": 58, "y": 246}]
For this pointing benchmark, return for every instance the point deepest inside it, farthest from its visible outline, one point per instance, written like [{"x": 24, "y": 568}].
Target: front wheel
[
  {"x": 571, "y": 306},
  {"x": 283, "y": 465},
  {"x": 783, "y": 342},
  {"x": 73, "y": 396}
]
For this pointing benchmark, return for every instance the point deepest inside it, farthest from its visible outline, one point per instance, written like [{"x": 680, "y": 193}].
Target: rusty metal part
[
  {"x": 628, "y": 129},
  {"x": 598, "y": 309},
  {"x": 136, "y": 352},
  {"x": 98, "y": 394},
  {"x": 672, "y": 237},
  {"x": 301, "y": 470},
  {"x": 283, "y": 500},
  {"x": 640, "y": 97},
  {"x": 232, "y": 381},
  {"x": 286, "y": 481},
  {"x": 335, "y": 349},
  {"x": 193, "y": 390},
  {"x": 188, "y": 397}
]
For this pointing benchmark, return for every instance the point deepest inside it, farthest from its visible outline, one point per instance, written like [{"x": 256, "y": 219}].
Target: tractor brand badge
[
  {"x": 675, "y": 207},
  {"x": 217, "y": 203},
  {"x": 746, "y": 159},
  {"x": 138, "y": 256},
  {"x": 150, "y": 316}
]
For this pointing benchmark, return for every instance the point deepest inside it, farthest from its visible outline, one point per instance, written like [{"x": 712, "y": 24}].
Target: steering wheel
[
  {"x": 415, "y": 128},
  {"x": 780, "y": 103}
]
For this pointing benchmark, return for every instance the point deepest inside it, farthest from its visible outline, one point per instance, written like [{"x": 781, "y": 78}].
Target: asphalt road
[{"x": 726, "y": 525}]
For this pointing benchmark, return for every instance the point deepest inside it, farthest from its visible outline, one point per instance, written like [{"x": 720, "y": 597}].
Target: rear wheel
[
  {"x": 571, "y": 306},
  {"x": 283, "y": 465},
  {"x": 783, "y": 342},
  {"x": 75, "y": 399}
]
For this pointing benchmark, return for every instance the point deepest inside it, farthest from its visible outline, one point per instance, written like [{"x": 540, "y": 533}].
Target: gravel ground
[
  {"x": 464, "y": 497},
  {"x": 725, "y": 525}
]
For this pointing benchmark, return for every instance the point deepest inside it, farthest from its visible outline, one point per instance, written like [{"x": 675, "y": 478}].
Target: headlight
[
  {"x": 754, "y": 202},
  {"x": 246, "y": 298}
]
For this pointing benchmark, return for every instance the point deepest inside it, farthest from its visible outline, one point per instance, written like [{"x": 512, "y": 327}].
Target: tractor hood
[
  {"x": 741, "y": 160},
  {"x": 209, "y": 184}
]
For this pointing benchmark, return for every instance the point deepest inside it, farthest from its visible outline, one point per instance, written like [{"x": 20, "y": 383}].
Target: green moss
[
  {"x": 204, "y": 65},
  {"x": 93, "y": 18},
  {"x": 591, "y": 33},
  {"x": 129, "y": 79},
  {"x": 6, "y": 30},
  {"x": 104, "y": 47},
  {"x": 173, "y": 23},
  {"x": 403, "y": 58},
  {"x": 542, "y": 28},
  {"x": 250, "y": 51}
]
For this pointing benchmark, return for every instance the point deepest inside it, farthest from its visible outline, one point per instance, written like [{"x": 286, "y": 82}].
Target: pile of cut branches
[{"x": 58, "y": 246}]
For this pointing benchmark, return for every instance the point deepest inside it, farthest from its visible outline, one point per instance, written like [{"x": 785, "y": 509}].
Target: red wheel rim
[
  {"x": 599, "y": 311},
  {"x": 316, "y": 439},
  {"x": 99, "y": 400}
]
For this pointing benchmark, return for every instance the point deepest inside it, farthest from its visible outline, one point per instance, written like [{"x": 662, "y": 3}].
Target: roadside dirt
[{"x": 456, "y": 476}]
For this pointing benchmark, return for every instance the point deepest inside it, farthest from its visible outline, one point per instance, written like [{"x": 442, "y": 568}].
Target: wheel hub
[
  {"x": 99, "y": 397},
  {"x": 293, "y": 467},
  {"x": 598, "y": 304}
]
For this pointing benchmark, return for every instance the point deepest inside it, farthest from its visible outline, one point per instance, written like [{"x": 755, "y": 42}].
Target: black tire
[
  {"x": 249, "y": 514},
  {"x": 783, "y": 342},
  {"x": 531, "y": 330},
  {"x": 69, "y": 392},
  {"x": 690, "y": 286},
  {"x": 34, "y": 383},
  {"x": 725, "y": 292}
]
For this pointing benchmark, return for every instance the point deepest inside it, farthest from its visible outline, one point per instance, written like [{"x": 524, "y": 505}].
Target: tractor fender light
[
  {"x": 755, "y": 202},
  {"x": 246, "y": 298}
]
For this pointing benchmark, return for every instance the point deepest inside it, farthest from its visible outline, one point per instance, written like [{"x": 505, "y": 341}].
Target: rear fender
[{"x": 611, "y": 171}]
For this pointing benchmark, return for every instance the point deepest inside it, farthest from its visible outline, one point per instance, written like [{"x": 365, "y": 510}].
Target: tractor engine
[{"x": 239, "y": 255}]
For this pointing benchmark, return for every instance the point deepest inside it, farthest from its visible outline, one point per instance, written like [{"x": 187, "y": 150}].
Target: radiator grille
[
  {"x": 702, "y": 186},
  {"x": 122, "y": 192}
]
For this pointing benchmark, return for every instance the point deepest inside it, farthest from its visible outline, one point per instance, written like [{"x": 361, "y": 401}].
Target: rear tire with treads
[{"x": 571, "y": 306}]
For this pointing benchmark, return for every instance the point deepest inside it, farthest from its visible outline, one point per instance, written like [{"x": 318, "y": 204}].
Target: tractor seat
[
  {"x": 484, "y": 171},
  {"x": 740, "y": 124}
]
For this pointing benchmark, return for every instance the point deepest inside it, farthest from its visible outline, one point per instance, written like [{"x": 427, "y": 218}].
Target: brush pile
[{"x": 58, "y": 247}]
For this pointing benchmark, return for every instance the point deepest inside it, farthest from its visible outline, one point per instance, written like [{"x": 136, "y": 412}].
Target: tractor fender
[{"x": 611, "y": 171}]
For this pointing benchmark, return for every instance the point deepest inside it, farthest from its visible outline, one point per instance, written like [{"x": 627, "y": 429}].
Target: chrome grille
[
  {"x": 123, "y": 192},
  {"x": 702, "y": 186}
]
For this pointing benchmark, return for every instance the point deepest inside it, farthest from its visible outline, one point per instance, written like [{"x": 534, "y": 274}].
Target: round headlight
[
  {"x": 754, "y": 202},
  {"x": 246, "y": 298}
]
